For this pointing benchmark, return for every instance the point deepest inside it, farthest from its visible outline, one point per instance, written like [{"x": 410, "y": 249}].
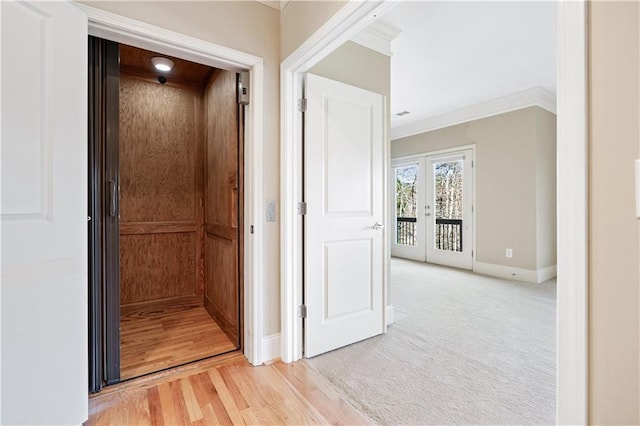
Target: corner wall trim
[
  {"x": 532, "y": 276},
  {"x": 536, "y": 96},
  {"x": 270, "y": 348},
  {"x": 572, "y": 222}
]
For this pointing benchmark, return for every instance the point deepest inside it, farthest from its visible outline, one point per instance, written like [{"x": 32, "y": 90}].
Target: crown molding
[
  {"x": 274, "y": 4},
  {"x": 377, "y": 36},
  {"x": 536, "y": 96}
]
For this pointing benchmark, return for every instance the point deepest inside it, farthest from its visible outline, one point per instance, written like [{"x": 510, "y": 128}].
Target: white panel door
[
  {"x": 448, "y": 210},
  {"x": 344, "y": 188},
  {"x": 44, "y": 213}
]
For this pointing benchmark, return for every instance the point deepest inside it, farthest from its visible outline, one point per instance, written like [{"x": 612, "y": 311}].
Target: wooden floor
[
  {"x": 224, "y": 392},
  {"x": 162, "y": 335}
]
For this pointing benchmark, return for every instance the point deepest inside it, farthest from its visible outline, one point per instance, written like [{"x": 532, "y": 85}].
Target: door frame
[
  {"x": 406, "y": 159},
  {"x": 124, "y": 30},
  {"x": 572, "y": 187}
]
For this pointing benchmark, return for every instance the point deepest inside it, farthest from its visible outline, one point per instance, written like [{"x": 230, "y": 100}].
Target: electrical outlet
[{"x": 509, "y": 253}]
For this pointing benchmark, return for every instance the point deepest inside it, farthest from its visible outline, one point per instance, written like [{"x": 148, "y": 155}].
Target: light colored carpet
[{"x": 464, "y": 349}]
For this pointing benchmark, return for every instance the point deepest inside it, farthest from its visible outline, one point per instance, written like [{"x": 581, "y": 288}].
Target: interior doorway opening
[{"x": 167, "y": 193}]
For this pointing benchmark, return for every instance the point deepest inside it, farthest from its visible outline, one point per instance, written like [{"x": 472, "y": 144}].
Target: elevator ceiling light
[{"x": 162, "y": 64}]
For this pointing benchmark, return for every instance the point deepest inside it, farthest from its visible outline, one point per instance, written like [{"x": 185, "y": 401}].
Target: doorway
[
  {"x": 168, "y": 197},
  {"x": 433, "y": 204}
]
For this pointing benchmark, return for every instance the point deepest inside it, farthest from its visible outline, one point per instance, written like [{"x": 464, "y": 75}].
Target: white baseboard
[
  {"x": 516, "y": 274},
  {"x": 389, "y": 314},
  {"x": 271, "y": 344},
  {"x": 547, "y": 273},
  {"x": 270, "y": 348}
]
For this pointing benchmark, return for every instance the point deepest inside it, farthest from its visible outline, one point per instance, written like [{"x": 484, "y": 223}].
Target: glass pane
[
  {"x": 448, "y": 179},
  {"x": 406, "y": 204}
]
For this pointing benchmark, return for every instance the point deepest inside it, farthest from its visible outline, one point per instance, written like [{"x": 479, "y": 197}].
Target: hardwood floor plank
[
  {"x": 249, "y": 417},
  {"x": 228, "y": 392},
  {"x": 225, "y": 397},
  {"x": 155, "y": 410},
  {"x": 198, "y": 392},
  {"x": 214, "y": 400},
  {"x": 236, "y": 376},
  {"x": 130, "y": 409},
  {"x": 169, "y": 416},
  {"x": 319, "y": 394},
  {"x": 300, "y": 411},
  {"x": 209, "y": 416},
  {"x": 230, "y": 385},
  {"x": 179, "y": 406}
]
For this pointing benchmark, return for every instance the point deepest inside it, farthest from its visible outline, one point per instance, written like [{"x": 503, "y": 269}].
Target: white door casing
[
  {"x": 43, "y": 215},
  {"x": 344, "y": 187},
  {"x": 454, "y": 259}
]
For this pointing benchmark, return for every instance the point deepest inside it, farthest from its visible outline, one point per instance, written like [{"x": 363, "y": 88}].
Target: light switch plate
[{"x": 270, "y": 210}]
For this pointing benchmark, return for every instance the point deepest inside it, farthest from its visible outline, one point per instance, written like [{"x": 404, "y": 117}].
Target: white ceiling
[{"x": 452, "y": 54}]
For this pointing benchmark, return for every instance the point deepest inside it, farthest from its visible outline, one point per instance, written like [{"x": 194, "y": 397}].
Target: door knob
[{"x": 377, "y": 226}]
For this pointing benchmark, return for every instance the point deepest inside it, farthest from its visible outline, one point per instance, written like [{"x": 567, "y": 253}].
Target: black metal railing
[
  {"x": 449, "y": 234},
  {"x": 406, "y": 231}
]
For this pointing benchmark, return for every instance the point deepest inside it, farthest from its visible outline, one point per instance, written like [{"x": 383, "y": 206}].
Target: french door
[{"x": 434, "y": 208}]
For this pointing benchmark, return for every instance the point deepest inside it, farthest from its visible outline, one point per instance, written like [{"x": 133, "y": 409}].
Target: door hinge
[
  {"x": 302, "y": 311},
  {"x": 243, "y": 88},
  {"x": 471, "y": 253},
  {"x": 251, "y": 229},
  {"x": 302, "y": 208},
  {"x": 302, "y": 105},
  {"x": 472, "y": 163}
]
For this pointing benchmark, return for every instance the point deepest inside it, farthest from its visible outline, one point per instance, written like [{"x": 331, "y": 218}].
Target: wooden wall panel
[
  {"x": 157, "y": 152},
  {"x": 161, "y": 186},
  {"x": 156, "y": 266},
  {"x": 221, "y": 166},
  {"x": 221, "y": 291},
  {"x": 221, "y": 199}
]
